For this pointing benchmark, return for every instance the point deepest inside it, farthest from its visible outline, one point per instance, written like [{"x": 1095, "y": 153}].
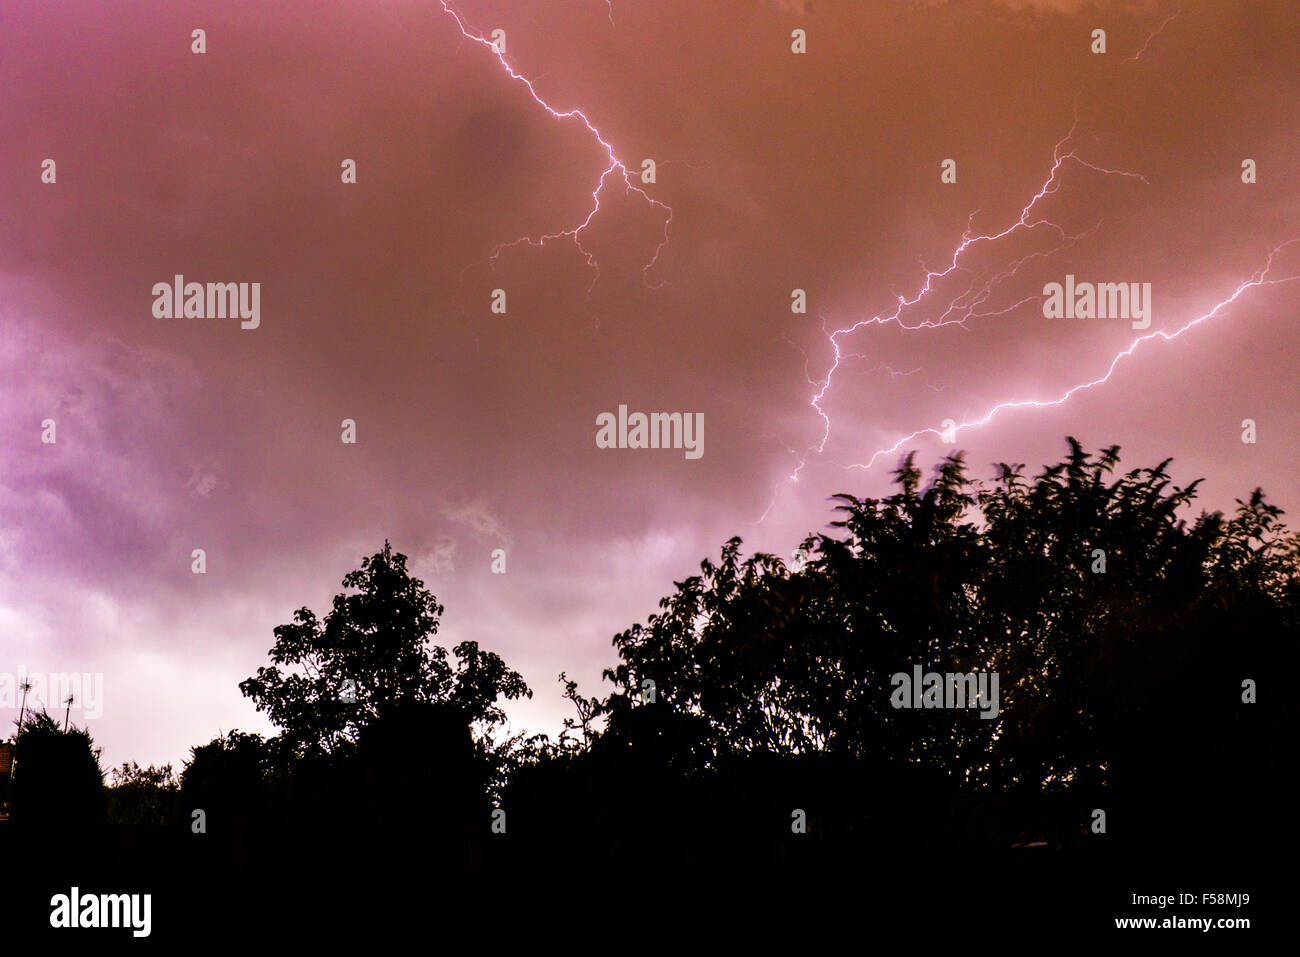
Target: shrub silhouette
[
  {"x": 228, "y": 780},
  {"x": 57, "y": 777},
  {"x": 142, "y": 796}
]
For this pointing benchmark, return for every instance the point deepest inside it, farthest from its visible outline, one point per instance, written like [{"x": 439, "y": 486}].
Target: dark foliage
[{"x": 57, "y": 777}]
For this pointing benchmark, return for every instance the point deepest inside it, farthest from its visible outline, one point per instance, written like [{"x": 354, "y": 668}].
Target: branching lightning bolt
[
  {"x": 959, "y": 309},
  {"x": 963, "y": 306},
  {"x": 616, "y": 167},
  {"x": 977, "y": 293},
  {"x": 1260, "y": 278}
]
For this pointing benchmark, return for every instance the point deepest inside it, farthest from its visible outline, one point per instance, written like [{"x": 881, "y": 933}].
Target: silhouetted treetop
[
  {"x": 1087, "y": 590},
  {"x": 370, "y": 654}
]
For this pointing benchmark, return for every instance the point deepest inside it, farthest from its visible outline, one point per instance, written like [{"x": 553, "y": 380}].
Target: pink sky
[{"x": 477, "y": 431}]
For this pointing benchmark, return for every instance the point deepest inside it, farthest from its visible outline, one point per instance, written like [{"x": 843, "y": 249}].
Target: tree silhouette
[
  {"x": 229, "y": 778},
  {"x": 1121, "y": 632},
  {"x": 142, "y": 796},
  {"x": 57, "y": 777},
  {"x": 370, "y": 657},
  {"x": 380, "y": 728},
  {"x": 751, "y": 736}
]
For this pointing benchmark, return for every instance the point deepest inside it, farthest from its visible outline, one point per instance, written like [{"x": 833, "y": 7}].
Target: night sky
[{"x": 477, "y": 431}]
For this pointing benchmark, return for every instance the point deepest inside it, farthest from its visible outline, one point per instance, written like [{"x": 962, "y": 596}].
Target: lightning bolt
[
  {"x": 963, "y": 306},
  {"x": 975, "y": 294},
  {"x": 615, "y": 170},
  {"x": 1260, "y": 278},
  {"x": 1159, "y": 30},
  {"x": 960, "y": 308}
]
